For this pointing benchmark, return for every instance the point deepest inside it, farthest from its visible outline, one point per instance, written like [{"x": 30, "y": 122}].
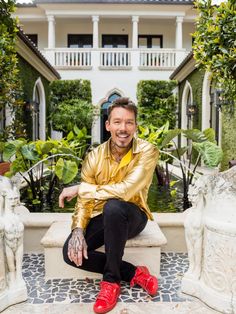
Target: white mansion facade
[{"x": 112, "y": 43}]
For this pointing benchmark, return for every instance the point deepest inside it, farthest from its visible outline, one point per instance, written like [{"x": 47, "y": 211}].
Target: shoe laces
[
  {"x": 106, "y": 293},
  {"x": 143, "y": 279}
]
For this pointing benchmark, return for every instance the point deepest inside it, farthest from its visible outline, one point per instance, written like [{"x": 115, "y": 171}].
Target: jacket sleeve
[{"x": 84, "y": 207}]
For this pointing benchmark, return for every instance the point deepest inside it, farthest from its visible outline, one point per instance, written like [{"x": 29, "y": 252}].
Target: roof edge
[
  {"x": 165, "y": 2},
  {"x": 182, "y": 64},
  {"x": 24, "y": 5},
  {"x": 31, "y": 45}
]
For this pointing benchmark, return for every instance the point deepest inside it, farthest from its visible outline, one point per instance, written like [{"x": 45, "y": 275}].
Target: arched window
[
  {"x": 214, "y": 112},
  {"x": 35, "y": 114},
  {"x": 39, "y": 111},
  {"x": 186, "y": 111},
  {"x": 189, "y": 105},
  {"x": 104, "y": 115}
]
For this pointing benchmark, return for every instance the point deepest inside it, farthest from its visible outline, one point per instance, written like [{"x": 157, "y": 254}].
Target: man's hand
[
  {"x": 77, "y": 247},
  {"x": 68, "y": 194}
]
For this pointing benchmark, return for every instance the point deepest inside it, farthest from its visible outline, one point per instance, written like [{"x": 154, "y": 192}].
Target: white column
[
  {"x": 95, "y": 20},
  {"x": 135, "y": 20},
  {"x": 179, "y": 33},
  {"x": 51, "y": 31}
]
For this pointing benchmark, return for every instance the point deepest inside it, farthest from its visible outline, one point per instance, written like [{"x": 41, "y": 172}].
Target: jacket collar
[{"x": 135, "y": 147}]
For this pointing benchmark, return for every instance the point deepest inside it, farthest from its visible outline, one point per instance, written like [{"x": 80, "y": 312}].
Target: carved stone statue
[
  {"x": 2, "y": 257},
  {"x": 12, "y": 285},
  {"x": 13, "y": 231},
  {"x": 210, "y": 229},
  {"x": 194, "y": 225}
]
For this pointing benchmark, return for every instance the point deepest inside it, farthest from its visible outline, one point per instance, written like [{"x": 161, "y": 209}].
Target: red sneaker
[
  {"x": 143, "y": 278},
  {"x": 107, "y": 297}
]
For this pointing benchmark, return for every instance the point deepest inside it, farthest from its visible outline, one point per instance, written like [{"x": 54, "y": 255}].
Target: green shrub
[
  {"x": 156, "y": 102},
  {"x": 70, "y": 104},
  {"x": 72, "y": 112},
  {"x": 10, "y": 84},
  {"x": 70, "y": 89}
]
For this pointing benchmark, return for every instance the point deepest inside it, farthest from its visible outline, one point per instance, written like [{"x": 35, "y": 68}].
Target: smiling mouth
[{"x": 123, "y": 137}]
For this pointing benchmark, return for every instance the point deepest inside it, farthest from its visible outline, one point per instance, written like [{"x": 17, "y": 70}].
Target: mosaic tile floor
[{"x": 173, "y": 265}]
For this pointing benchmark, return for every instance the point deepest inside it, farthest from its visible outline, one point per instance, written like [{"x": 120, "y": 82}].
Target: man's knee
[{"x": 113, "y": 208}]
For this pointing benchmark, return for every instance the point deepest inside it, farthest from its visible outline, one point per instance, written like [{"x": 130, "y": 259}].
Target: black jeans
[{"x": 119, "y": 221}]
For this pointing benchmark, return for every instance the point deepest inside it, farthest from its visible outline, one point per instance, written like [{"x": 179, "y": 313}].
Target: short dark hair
[{"x": 123, "y": 102}]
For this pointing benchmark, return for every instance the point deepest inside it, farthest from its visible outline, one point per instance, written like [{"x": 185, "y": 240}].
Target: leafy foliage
[
  {"x": 215, "y": 43},
  {"x": 210, "y": 153},
  {"x": 45, "y": 164},
  {"x": 72, "y": 112},
  {"x": 10, "y": 85},
  {"x": 202, "y": 142},
  {"x": 70, "y": 89},
  {"x": 70, "y": 102},
  {"x": 156, "y": 102}
]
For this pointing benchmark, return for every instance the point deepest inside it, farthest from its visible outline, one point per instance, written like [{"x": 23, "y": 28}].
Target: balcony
[{"x": 114, "y": 59}]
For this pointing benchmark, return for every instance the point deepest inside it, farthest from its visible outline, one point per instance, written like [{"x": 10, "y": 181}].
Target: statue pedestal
[
  {"x": 12, "y": 296},
  {"x": 215, "y": 283}
]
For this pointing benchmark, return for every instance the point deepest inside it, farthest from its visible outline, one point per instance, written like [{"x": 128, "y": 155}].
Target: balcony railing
[
  {"x": 115, "y": 58},
  {"x": 72, "y": 58},
  {"x": 158, "y": 59},
  {"x": 149, "y": 59}
]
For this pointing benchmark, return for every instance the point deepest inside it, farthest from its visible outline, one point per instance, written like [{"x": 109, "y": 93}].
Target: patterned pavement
[{"x": 65, "y": 291}]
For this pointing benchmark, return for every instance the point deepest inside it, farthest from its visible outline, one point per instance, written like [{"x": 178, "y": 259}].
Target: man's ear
[{"x": 107, "y": 125}]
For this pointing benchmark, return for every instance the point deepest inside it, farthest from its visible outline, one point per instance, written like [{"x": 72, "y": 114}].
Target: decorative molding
[
  {"x": 95, "y": 18},
  {"x": 135, "y": 18},
  {"x": 113, "y": 13},
  {"x": 179, "y": 19},
  {"x": 30, "y": 17}
]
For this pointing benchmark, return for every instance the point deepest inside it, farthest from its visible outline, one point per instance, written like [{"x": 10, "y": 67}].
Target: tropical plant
[
  {"x": 156, "y": 136},
  {"x": 215, "y": 43},
  {"x": 45, "y": 164},
  {"x": 202, "y": 143}
]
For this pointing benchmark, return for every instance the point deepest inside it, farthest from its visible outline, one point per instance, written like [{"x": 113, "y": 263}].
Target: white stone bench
[{"x": 144, "y": 249}]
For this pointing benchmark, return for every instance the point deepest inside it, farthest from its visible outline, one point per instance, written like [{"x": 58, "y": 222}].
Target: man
[{"x": 111, "y": 206}]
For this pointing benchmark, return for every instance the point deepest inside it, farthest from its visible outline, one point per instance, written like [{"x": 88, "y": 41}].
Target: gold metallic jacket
[{"x": 104, "y": 178}]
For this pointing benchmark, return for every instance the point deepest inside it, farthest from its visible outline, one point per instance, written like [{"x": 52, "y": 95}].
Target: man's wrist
[{"x": 78, "y": 230}]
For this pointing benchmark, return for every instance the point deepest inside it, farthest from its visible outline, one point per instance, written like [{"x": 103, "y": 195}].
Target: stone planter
[{"x": 210, "y": 229}]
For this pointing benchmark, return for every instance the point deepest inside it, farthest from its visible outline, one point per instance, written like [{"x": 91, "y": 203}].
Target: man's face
[{"x": 122, "y": 126}]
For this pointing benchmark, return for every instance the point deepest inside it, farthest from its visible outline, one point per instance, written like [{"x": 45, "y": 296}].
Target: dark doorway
[
  {"x": 150, "y": 41},
  {"x": 214, "y": 113},
  {"x": 80, "y": 41},
  {"x": 114, "y": 41},
  {"x": 104, "y": 115}
]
